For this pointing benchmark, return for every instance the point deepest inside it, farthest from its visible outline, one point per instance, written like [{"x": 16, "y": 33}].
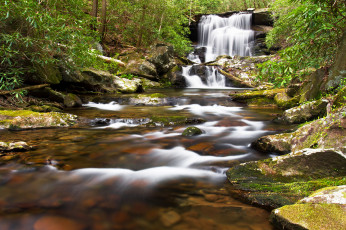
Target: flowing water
[
  {"x": 128, "y": 166},
  {"x": 123, "y": 172},
  {"x": 226, "y": 36}
]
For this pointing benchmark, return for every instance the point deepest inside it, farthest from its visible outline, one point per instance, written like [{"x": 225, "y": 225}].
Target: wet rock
[
  {"x": 202, "y": 147},
  {"x": 57, "y": 223},
  {"x": 148, "y": 84},
  {"x": 170, "y": 218},
  {"x": 310, "y": 88},
  {"x": 192, "y": 131},
  {"x": 101, "y": 121},
  {"x": 72, "y": 100},
  {"x": 284, "y": 180},
  {"x": 305, "y": 112},
  {"x": 26, "y": 119},
  {"x": 175, "y": 76},
  {"x": 285, "y": 101},
  {"x": 149, "y": 99},
  {"x": 14, "y": 146},
  {"x": 280, "y": 143}
]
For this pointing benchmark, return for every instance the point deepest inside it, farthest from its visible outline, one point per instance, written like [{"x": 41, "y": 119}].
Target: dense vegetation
[{"x": 309, "y": 31}]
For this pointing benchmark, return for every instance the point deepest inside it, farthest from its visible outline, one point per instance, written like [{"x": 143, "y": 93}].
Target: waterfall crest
[{"x": 226, "y": 36}]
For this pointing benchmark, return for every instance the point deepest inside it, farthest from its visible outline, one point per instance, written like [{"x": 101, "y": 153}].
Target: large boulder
[
  {"x": 49, "y": 73},
  {"x": 26, "y": 119},
  {"x": 162, "y": 56},
  {"x": 142, "y": 68},
  {"x": 310, "y": 88},
  {"x": 125, "y": 85},
  {"x": 175, "y": 76},
  {"x": 325, "y": 209},
  {"x": 262, "y": 17},
  {"x": 327, "y": 132},
  {"x": 305, "y": 112},
  {"x": 337, "y": 72},
  {"x": 284, "y": 180}
]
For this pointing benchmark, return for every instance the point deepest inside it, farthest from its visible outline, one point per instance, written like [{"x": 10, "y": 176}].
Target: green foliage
[
  {"x": 309, "y": 31},
  {"x": 38, "y": 34},
  {"x": 128, "y": 76}
]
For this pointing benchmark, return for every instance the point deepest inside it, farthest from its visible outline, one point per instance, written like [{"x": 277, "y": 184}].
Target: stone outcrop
[
  {"x": 305, "y": 112},
  {"x": 327, "y": 132},
  {"x": 286, "y": 179},
  {"x": 325, "y": 209},
  {"x": 26, "y": 119}
]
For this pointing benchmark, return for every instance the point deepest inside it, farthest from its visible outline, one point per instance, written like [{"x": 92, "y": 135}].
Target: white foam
[
  {"x": 110, "y": 106},
  {"x": 217, "y": 110}
]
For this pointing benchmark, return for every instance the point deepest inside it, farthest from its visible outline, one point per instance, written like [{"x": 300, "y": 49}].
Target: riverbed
[{"x": 122, "y": 169}]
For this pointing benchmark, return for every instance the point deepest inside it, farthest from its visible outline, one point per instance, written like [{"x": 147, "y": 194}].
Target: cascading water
[
  {"x": 219, "y": 36},
  {"x": 213, "y": 78},
  {"x": 225, "y": 36}
]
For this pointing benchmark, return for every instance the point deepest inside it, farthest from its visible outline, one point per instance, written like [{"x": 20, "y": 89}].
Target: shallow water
[{"x": 127, "y": 173}]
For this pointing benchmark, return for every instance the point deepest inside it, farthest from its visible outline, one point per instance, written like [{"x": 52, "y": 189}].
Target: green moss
[
  {"x": 21, "y": 113},
  {"x": 314, "y": 216}
]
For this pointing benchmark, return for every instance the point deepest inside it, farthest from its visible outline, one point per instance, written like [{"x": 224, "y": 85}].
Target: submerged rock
[
  {"x": 192, "y": 131},
  {"x": 325, "y": 209}
]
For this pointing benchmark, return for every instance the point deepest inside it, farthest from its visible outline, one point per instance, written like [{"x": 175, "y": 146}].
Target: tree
[{"x": 310, "y": 32}]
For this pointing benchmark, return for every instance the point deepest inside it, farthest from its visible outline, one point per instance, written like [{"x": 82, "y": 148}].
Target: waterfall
[
  {"x": 225, "y": 36},
  {"x": 212, "y": 78}
]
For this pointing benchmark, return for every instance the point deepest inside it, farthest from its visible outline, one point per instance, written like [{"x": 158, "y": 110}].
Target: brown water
[{"x": 126, "y": 173}]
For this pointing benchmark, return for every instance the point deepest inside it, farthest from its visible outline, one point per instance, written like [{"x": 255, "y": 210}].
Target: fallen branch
[
  {"x": 237, "y": 81},
  {"x": 111, "y": 60},
  {"x": 28, "y": 88}
]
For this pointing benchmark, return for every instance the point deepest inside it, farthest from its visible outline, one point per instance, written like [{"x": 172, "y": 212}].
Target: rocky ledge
[{"x": 26, "y": 119}]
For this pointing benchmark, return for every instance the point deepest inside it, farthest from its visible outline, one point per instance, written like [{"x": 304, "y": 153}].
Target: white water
[
  {"x": 225, "y": 36},
  {"x": 214, "y": 80},
  {"x": 110, "y": 106}
]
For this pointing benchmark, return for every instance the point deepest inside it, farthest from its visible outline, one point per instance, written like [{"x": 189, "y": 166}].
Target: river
[{"x": 126, "y": 165}]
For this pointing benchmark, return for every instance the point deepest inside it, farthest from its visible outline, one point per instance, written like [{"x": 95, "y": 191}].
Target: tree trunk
[
  {"x": 103, "y": 19},
  {"x": 94, "y": 8},
  {"x": 141, "y": 28}
]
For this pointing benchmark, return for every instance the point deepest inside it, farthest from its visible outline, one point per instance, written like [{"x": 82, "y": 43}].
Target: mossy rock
[
  {"x": 271, "y": 93},
  {"x": 27, "y": 119},
  {"x": 279, "y": 143},
  {"x": 72, "y": 100},
  {"x": 310, "y": 216},
  {"x": 283, "y": 180},
  {"x": 192, "y": 131},
  {"x": 167, "y": 121}
]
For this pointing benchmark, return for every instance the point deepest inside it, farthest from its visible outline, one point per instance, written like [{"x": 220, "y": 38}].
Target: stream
[{"x": 128, "y": 166}]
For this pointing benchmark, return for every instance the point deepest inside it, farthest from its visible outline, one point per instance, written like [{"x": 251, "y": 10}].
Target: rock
[
  {"x": 162, "y": 56},
  {"x": 337, "y": 72},
  {"x": 14, "y": 146},
  {"x": 142, "y": 68},
  {"x": 96, "y": 80},
  {"x": 49, "y": 93},
  {"x": 310, "y": 88},
  {"x": 262, "y": 17},
  {"x": 305, "y": 112},
  {"x": 151, "y": 99},
  {"x": 175, "y": 76},
  {"x": 124, "y": 85},
  {"x": 192, "y": 131},
  {"x": 285, "y": 101},
  {"x": 279, "y": 143},
  {"x": 170, "y": 218},
  {"x": 26, "y": 119},
  {"x": 284, "y": 180},
  {"x": 57, "y": 223},
  {"x": 325, "y": 209},
  {"x": 147, "y": 84},
  {"x": 49, "y": 73},
  {"x": 310, "y": 216},
  {"x": 328, "y": 132},
  {"x": 72, "y": 100}
]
